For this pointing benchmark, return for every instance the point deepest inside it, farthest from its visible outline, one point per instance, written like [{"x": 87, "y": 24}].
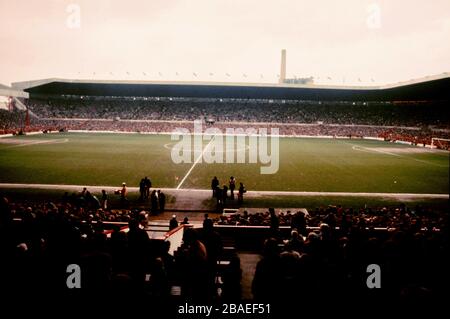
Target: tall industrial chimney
[{"x": 283, "y": 66}]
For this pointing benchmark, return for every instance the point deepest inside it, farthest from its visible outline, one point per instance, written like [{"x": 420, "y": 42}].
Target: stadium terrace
[{"x": 369, "y": 189}]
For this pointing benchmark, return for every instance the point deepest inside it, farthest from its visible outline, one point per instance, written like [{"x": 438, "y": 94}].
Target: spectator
[
  {"x": 241, "y": 193},
  {"x": 154, "y": 202},
  {"x": 138, "y": 242},
  {"x": 299, "y": 222},
  {"x": 123, "y": 193},
  {"x": 65, "y": 198},
  {"x": 214, "y": 185},
  {"x": 193, "y": 261},
  {"x": 214, "y": 247},
  {"x": 168, "y": 261},
  {"x": 147, "y": 186},
  {"x": 266, "y": 279},
  {"x": 142, "y": 190},
  {"x": 173, "y": 222},
  {"x": 104, "y": 203},
  {"x": 232, "y": 276},
  {"x": 219, "y": 197},
  {"x": 224, "y": 195},
  {"x": 207, "y": 221},
  {"x": 232, "y": 184},
  {"x": 296, "y": 242},
  {"x": 162, "y": 201}
]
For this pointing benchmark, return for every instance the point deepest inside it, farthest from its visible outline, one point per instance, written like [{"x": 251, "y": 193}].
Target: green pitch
[{"x": 306, "y": 164}]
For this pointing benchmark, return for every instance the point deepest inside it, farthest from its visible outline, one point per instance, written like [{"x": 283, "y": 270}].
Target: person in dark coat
[
  {"x": 232, "y": 184},
  {"x": 224, "y": 194},
  {"x": 162, "y": 201},
  {"x": 267, "y": 274},
  {"x": 241, "y": 193},
  {"x": 147, "y": 186},
  {"x": 214, "y": 185},
  {"x": 173, "y": 222},
  {"x": 232, "y": 275},
  {"x": 154, "y": 202},
  {"x": 142, "y": 189}
]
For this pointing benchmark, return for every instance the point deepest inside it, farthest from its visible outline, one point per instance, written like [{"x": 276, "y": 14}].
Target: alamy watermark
[
  {"x": 234, "y": 145},
  {"x": 373, "y": 20},
  {"x": 73, "y": 20},
  {"x": 74, "y": 278},
  {"x": 374, "y": 279}
]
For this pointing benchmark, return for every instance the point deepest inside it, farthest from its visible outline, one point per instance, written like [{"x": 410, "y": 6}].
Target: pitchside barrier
[{"x": 277, "y": 135}]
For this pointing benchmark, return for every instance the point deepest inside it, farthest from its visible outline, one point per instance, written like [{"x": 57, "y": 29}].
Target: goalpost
[{"x": 441, "y": 143}]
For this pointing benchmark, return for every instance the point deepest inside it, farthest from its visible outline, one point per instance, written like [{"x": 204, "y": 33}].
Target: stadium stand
[
  {"x": 416, "y": 123},
  {"x": 362, "y": 113},
  {"x": 322, "y": 256},
  {"x": 319, "y": 256},
  {"x": 414, "y": 111}
]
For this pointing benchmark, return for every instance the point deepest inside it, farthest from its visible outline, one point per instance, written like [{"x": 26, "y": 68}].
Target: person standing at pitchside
[
  {"x": 104, "y": 199},
  {"x": 214, "y": 185},
  {"x": 232, "y": 187},
  {"x": 241, "y": 193},
  {"x": 123, "y": 194},
  {"x": 162, "y": 201}
]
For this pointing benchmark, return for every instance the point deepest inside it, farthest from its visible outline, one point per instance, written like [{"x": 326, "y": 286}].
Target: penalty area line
[
  {"x": 371, "y": 150},
  {"x": 46, "y": 142},
  {"x": 195, "y": 163}
]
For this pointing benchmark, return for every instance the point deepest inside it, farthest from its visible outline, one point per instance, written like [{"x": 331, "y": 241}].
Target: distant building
[{"x": 283, "y": 79}]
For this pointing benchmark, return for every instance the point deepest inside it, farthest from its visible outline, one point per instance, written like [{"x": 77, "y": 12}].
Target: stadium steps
[{"x": 19, "y": 105}]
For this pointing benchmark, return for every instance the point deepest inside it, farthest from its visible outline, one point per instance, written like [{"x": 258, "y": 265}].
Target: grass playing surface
[{"x": 306, "y": 164}]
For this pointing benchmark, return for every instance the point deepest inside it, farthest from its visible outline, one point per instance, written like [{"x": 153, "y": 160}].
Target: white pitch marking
[
  {"x": 246, "y": 148},
  {"x": 365, "y": 149},
  {"x": 250, "y": 193},
  {"x": 57, "y": 141},
  {"x": 195, "y": 163},
  {"x": 362, "y": 148}
]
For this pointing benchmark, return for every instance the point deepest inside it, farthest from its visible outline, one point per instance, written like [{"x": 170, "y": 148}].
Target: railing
[
  {"x": 175, "y": 237},
  {"x": 108, "y": 232}
]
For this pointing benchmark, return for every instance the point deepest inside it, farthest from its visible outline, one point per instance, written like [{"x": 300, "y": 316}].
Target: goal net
[{"x": 440, "y": 143}]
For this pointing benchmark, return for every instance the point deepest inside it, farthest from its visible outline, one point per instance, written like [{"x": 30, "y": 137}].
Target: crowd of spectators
[
  {"x": 337, "y": 216},
  {"x": 273, "y": 111},
  {"x": 329, "y": 249},
  {"x": 82, "y": 206},
  {"x": 10, "y": 121},
  {"x": 331, "y": 265},
  {"x": 328, "y": 262},
  {"x": 14, "y": 123},
  {"x": 416, "y": 137},
  {"x": 413, "y": 123},
  {"x": 38, "y": 241}
]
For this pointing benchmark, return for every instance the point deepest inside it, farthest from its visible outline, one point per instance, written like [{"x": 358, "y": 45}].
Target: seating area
[
  {"x": 266, "y": 256},
  {"x": 416, "y": 114},
  {"x": 320, "y": 254},
  {"x": 415, "y": 123}
]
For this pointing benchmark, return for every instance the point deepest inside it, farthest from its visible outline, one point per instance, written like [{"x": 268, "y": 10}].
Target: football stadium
[
  {"x": 92, "y": 151},
  {"x": 233, "y": 198}
]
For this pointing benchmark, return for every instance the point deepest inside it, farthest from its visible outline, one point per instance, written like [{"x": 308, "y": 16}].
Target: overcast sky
[{"x": 334, "y": 41}]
